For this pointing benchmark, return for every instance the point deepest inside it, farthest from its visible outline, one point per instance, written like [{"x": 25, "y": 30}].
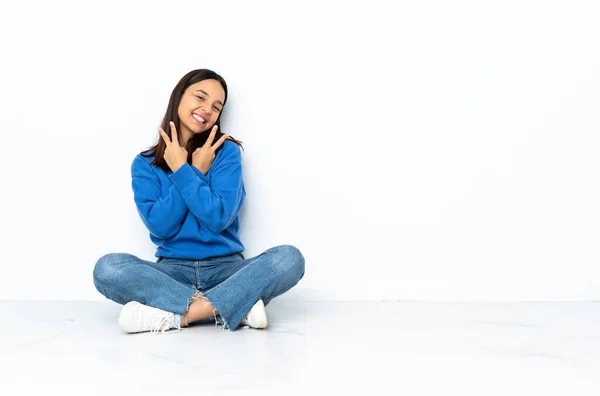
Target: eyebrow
[{"x": 206, "y": 93}]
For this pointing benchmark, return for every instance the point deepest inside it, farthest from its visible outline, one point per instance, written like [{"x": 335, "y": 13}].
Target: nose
[{"x": 207, "y": 112}]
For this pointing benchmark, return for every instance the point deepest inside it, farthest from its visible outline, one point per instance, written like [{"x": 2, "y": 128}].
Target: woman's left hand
[{"x": 175, "y": 155}]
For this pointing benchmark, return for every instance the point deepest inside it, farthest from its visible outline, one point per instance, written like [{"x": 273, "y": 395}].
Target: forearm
[
  {"x": 214, "y": 206},
  {"x": 163, "y": 217}
]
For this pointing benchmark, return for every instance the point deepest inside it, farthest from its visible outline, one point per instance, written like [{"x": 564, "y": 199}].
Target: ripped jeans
[{"x": 230, "y": 283}]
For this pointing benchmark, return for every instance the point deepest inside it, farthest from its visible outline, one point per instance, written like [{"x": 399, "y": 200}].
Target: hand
[
  {"x": 175, "y": 155},
  {"x": 203, "y": 157}
]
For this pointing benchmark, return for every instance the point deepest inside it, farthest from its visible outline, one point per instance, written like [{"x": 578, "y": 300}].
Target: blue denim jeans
[{"x": 230, "y": 283}]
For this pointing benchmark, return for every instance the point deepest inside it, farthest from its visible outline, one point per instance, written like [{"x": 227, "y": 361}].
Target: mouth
[{"x": 198, "y": 119}]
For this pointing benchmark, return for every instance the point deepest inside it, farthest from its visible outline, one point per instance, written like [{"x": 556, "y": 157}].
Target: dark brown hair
[{"x": 198, "y": 140}]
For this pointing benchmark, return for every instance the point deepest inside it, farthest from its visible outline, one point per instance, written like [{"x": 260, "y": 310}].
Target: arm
[
  {"x": 217, "y": 204},
  {"x": 162, "y": 215}
]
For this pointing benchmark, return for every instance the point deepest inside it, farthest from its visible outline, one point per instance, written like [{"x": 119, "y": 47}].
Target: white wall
[{"x": 413, "y": 150}]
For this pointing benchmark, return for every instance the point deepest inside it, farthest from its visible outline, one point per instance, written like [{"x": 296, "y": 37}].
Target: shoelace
[{"x": 161, "y": 322}]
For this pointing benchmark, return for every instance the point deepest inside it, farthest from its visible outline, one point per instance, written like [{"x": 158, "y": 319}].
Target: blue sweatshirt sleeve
[
  {"x": 214, "y": 203},
  {"x": 163, "y": 214}
]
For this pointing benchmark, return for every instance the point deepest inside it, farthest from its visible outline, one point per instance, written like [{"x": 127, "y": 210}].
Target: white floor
[{"x": 395, "y": 348}]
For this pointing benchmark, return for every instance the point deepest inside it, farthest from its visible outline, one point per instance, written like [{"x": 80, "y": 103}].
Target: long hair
[{"x": 197, "y": 140}]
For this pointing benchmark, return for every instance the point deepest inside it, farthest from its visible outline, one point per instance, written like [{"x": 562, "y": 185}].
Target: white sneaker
[
  {"x": 257, "y": 317},
  {"x": 136, "y": 318}
]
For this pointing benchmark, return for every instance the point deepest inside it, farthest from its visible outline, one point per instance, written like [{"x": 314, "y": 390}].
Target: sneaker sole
[{"x": 124, "y": 313}]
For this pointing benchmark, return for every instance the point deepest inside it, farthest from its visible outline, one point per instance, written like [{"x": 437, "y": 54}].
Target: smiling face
[{"x": 199, "y": 108}]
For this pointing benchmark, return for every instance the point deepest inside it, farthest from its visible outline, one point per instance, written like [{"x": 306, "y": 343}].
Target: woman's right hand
[
  {"x": 175, "y": 155},
  {"x": 203, "y": 157}
]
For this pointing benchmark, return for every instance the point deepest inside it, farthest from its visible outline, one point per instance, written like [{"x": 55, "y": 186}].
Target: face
[{"x": 200, "y": 107}]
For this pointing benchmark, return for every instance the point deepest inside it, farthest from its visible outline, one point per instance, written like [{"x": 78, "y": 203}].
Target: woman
[{"x": 188, "y": 190}]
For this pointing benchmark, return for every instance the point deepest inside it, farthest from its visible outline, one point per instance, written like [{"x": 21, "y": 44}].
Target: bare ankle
[{"x": 199, "y": 309}]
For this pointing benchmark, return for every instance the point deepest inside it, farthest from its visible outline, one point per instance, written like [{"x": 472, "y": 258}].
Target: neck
[{"x": 185, "y": 137}]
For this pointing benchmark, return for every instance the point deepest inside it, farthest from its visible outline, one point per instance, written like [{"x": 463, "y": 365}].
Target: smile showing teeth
[{"x": 197, "y": 117}]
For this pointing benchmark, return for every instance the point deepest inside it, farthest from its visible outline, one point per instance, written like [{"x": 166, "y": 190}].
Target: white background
[{"x": 413, "y": 150}]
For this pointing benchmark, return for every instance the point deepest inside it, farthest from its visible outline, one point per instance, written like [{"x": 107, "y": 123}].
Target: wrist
[
  {"x": 177, "y": 167},
  {"x": 204, "y": 172}
]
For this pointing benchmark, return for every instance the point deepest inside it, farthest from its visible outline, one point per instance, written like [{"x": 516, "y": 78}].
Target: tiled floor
[{"x": 394, "y": 348}]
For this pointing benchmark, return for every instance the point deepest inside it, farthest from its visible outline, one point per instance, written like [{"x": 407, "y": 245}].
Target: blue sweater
[{"x": 191, "y": 215}]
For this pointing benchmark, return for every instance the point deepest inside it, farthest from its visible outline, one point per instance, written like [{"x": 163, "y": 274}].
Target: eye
[
  {"x": 216, "y": 108},
  {"x": 200, "y": 97}
]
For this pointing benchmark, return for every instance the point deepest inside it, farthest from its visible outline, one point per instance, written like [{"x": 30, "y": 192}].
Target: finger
[
  {"x": 164, "y": 136},
  {"x": 211, "y": 137},
  {"x": 220, "y": 141},
  {"x": 174, "y": 133}
]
